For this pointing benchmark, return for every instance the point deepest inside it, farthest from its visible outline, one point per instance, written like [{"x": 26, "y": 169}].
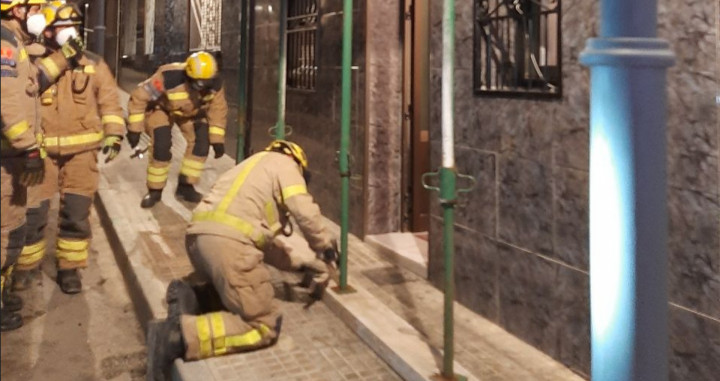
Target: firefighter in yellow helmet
[
  {"x": 80, "y": 114},
  {"x": 191, "y": 95},
  {"x": 231, "y": 231},
  {"x": 23, "y": 79}
]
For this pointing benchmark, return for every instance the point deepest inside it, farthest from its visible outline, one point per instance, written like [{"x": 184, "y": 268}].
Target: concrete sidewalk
[{"x": 391, "y": 328}]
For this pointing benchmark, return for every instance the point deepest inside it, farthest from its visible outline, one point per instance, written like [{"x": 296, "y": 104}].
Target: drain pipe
[
  {"x": 243, "y": 78},
  {"x": 448, "y": 194},
  {"x": 282, "y": 70},
  {"x": 628, "y": 203},
  {"x": 345, "y": 140}
]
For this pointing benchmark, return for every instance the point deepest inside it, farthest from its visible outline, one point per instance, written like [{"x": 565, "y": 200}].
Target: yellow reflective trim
[
  {"x": 252, "y": 337},
  {"x": 89, "y": 69},
  {"x": 23, "y": 55},
  {"x": 218, "y": 331},
  {"x": 113, "y": 119},
  {"x": 51, "y": 67},
  {"x": 178, "y": 112},
  {"x": 208, "y": 97},
  {"x": 157, "y": 179},
  {"x": 189, "y": 172},
  {"x": 158, "y": 171},
  {"x": 194, "y": 164},
  {"x": 293, "y": 190},
  {"x": 252, "y": 162},
  {"x": 16, "y": 130},
  {"x": 270, "y": 216},
  {"x": 236, "y": 223},
  {"x": 214, "y": 130},
  {"x": 64, "y": 244},
  {"x": 203, "y": 329},
  {"x": 31, "y": 254},
  {"x": 178, "y": 96},
  {"x": 72, "y": 140},
  {"x": 134, "y": 118},
  {"x": 72, "y": 256}
]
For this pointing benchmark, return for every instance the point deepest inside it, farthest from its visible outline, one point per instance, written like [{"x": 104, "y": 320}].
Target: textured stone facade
[
  {"x": 315, "y": 115},
  {"x": 522, "y": 234}
]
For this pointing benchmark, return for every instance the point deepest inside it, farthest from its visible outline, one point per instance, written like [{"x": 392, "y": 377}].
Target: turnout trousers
[
  {"x": 196, "y": 133},
  {"x": 76, "y": 178},
  {"x": 13, "y": 201},
  {"x": 242, "y": 281}
]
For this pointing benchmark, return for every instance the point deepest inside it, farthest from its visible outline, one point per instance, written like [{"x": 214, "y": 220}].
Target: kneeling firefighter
[
  {"x": 80, "y": 114},
  {"x": 231, "y": 231},
  {"x": 191, "y": 95}
]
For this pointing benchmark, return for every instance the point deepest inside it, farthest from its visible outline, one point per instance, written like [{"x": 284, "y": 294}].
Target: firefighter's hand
[
  {"x": 219, "y": 149},
  {"x": 73, "y": 48},
  {"x": 33, "y": 169},
  {"x": 111, "y": 147},
  {"x": 133, "y": 138}
]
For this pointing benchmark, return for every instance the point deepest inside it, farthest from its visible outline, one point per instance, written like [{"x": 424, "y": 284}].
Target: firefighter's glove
[
  {"x": 33, "y": 169},
  {"x": 111, "y": 147},
  {"x": 133, "y": 138},
  {"x": 219, "y": 149},
  {"x": 73, "y": 48},
  {"x": 330, "y": 256}
]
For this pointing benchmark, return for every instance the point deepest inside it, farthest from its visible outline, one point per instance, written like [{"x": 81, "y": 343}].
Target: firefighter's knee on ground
[
  {"x": 74, "y": 216},
  {"x": 162, "y": 142}
]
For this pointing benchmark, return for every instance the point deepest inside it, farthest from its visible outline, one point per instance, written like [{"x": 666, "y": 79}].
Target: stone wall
[
  {"x": 522, "y": 234},
  {"x": 315, "y": 115}
]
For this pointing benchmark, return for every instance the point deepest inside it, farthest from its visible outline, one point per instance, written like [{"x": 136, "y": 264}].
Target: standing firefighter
[
  {"x": 231, "y": 230},
  {"x": 79, "y": 114},
  {"x": 22, "y": 165},
  {"x": 191, "y": 95}
]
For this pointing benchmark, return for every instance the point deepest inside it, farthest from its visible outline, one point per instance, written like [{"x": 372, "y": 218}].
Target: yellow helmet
[
  {"x": 59, "y": 13},
  {"x": 9, "y": 4},
  {"x": 201, "y": 65},
  {"x": 289, "y": 148}
]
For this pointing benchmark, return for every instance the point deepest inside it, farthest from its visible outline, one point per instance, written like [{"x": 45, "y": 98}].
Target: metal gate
[{"x": 205, "y": 24}]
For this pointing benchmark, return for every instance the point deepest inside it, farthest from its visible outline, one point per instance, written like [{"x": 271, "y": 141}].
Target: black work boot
[
  {"x": 188, "y": 193},
  {"x": 22, "y": 280},
  {"x": 69, "y": 281},
  {"x": 9, "y": 320},
  {"x": 151, "y": 198},
  {"x": 164, "y": 344},
  {"x": 181, "y": 300}
]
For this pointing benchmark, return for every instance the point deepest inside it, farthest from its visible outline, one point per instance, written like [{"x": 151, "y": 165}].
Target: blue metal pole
[{"x": 628, "y": 206}]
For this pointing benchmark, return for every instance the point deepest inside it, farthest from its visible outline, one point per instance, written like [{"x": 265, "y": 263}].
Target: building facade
[{"x": 522, "y": 124}]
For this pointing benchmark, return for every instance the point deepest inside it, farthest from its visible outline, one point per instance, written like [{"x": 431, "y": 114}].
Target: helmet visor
[{"x": 201, "y": 84}]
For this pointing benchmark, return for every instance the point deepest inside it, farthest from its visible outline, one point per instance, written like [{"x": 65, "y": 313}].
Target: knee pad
[
  {"x": 162, "y": 141},
  {"x": 37, "y": 219},
  {"x": 16, "y": 241},
  {"x": 75, "y": 216},
  {"x": 202, "y": 140}
]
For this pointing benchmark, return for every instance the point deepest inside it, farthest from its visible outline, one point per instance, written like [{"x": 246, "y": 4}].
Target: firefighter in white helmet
[
  {"x": 22, "y": 79},
  {"x": 80, "y": 114}
]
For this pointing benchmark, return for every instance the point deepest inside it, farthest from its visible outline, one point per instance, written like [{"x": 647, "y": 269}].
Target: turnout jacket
[
  {"x": 81, "y": 108},
  {"x": 251, "y": 203},
  {"x": 20, "y": 85}
]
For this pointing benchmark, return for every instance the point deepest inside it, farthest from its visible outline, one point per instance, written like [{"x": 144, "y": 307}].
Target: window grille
[
  {"x": 302, "y": 31},
  {"x": 205, "y": 24},
  {"x": 517, "y": 49}
]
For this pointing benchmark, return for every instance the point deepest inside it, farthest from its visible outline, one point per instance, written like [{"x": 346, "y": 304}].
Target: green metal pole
[
  {"x": 448, "y": 177},
  {"x": 282, "y": 69},
  {"x": 345, "y": 139},
  {"x": 243, "y": 80}
]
